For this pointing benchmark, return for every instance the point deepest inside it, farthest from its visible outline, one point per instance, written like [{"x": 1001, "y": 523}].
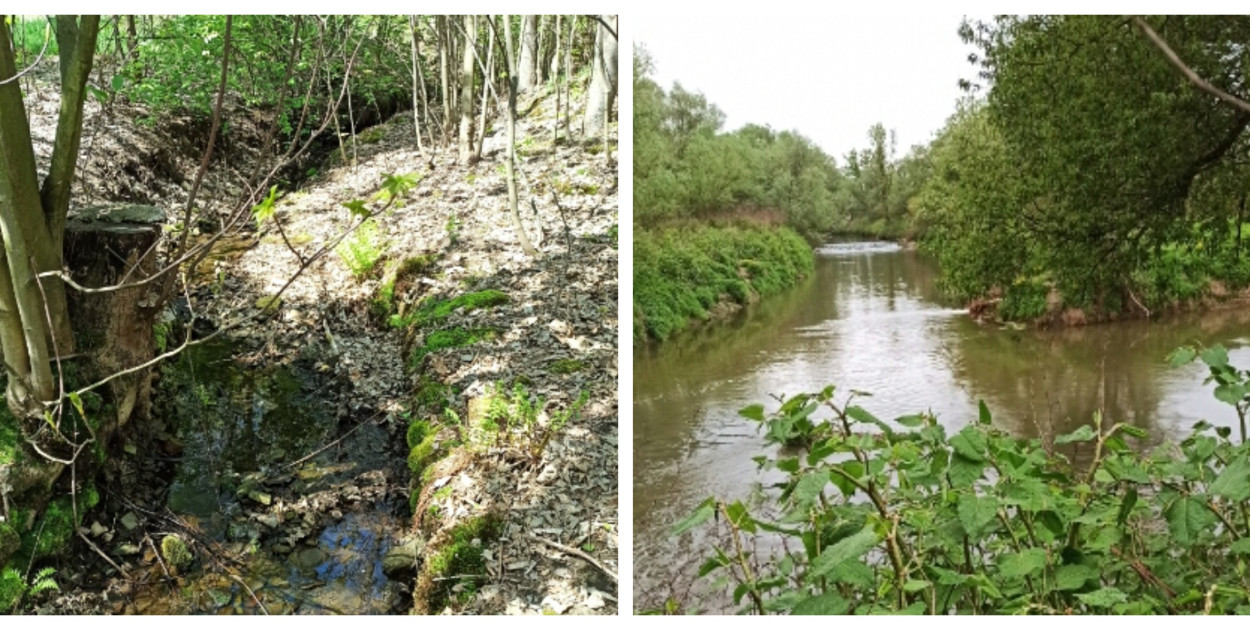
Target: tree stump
[{"x": 113, "y": 330}]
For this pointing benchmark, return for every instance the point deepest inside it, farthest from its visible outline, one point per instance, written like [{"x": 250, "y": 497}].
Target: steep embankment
[{"x": 694, "y": 272}]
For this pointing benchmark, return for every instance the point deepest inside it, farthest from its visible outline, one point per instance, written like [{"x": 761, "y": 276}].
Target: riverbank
[{"x": 696, "y": 272}]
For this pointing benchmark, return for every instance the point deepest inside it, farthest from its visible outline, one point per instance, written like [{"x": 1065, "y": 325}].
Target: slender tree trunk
[
  {"x": 544, "y": 45},
  {"x": 466, "y": 90},
  {"x": 529, "y": 52},
  {"x": 510, "y": 61},
  {"x": 555, "y": 79},
  {"x": 486, "y": 86},
  {"x": 568, "y": 77},
  {"x": 603, "y": 80},
  {"x": 416, "y": 84},
  {"x": 440, "y": 25}
]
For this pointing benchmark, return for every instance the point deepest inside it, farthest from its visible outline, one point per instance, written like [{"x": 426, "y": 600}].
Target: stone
[
  {"x": 402, "y": 559},
  {"x": 308, "y": 559},
  {"x": 130, "y": 521}
]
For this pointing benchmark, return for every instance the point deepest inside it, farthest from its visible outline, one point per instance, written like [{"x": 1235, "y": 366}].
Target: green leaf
[
  {"x": 911, "y": 586},
  {"x": 975, "y": 512},
  {"x": 739, "y": 517},
  {"x": 701, "y": 514},
  {"x": 1027, "y": 562},
  {"x": 357, "y": 207},
  {"x": 76, "y": 400},
  {"x": 1104, "y": 597},
  {"x": 809, "y": 487},
  {"x": 118, "y": 82},
  {"x": 1181, "y": 356},
  {"x": 1215, "y": 356},
  {"x": 827, "y": 604},
  {"x": 1136, "y": 432},
  {"x": 969, "y": 443},
  {"x": 963, "y": 472},
  {"x": 1234, "y": 482},
  {"x": 1242, "y": 547},
  {"x": 848, "y": 548},
  {"x": 911, "y": 421},
  {"x": 264, "y": 210},
  {"x": 752, "y": 412},
  {"x": 1187, "y": 518},
  {"x": 983, "y": 412},
  {"x": 1126, "y": 506},
  {"x": 1083, "y": 434},
  {"x": 1230, "y": 393},
  {"x": 1070, "y": 577}
]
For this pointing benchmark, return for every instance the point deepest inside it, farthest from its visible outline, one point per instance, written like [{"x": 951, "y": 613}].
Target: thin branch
[
  {"x": 47, "y": 36},
  {"x": 1175, "y": 60},
  {"x": 576, "y": 552}
]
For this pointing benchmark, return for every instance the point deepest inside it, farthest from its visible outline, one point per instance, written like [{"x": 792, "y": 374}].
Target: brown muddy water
[{"x": 871, "y": 318}]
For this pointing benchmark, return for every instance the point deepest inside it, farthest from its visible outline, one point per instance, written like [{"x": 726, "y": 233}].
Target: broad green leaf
[
  {"x": 752, "y": 412},
  {"x": 701, "y": 514},
  {"x": 1070, "y": 577},
  {"x": 827, "y": 604},
  {"x": 1027, "y": 562},
  {"x": 911, "y": 586},
  {"x": 1104, "y": 597},
  {"x": 357, "y": 207},
  {"x": 911, "y": 421},
  {"x": 809, "y": 487},
  {"x": 1241, "y": 546},
  {"x": 963, "y": 472},
  {"x": 1187, "y": 518},
  {"x": 975, "y": 512},
  {"x": 848, "y": 548},
  {"x": 1215, "y": 356},
  {"x": 1234, "y": 482},
  {"x": 1126, "y": 506},
  {"x": 739, "y": 517},
  {"x": 1083, "y": 434},
  {"x": 1134, "y": 431},
  {"x": 983, "y": 413},
  {"x": 76, "y": 400},
  {"x": 1181, "y": 356},
  {"x": 969, "y": 443},
  {"x": 1230, "y": 393}
]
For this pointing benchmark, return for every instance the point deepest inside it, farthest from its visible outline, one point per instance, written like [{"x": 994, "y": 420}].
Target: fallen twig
[{"x": 576, "y": 552}]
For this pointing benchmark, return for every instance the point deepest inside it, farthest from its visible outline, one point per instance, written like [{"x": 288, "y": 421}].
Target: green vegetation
[
  {"x": 1129, "y": 197},
  {"x": 361, "y": 251},
  {"x": 514, "y": 418},
  {"x": 421, "y": 454},
  {"x": 460, "y": 561},
  {"x": 14, "y": 588},
  {"x": 902, "y": 517},
  {"x": 567, "y": 366},
  {"x": 681, "y": 273},
  {"x": 175, "y": 551},
  {"x": 436, "y": 311},
  {"x": 449, "y": 338}
]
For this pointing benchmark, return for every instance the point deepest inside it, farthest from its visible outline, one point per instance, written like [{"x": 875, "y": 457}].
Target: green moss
[
  {"x": 417, "y": 432},
  {"x": 568, "y": 366},
  {"x": 10, "y": 540},
  {"x": 432, "y": 395},
  {"x": 54, "y": 530},
  {"x": 438, "y": 310},
  {"x": 12, "y": 588},
  {"x": 461, "y": 557},
  {"x": 384, "y": 302},
  {"x": 371, "y": 136},
  {"x": 449, "y": 338},
  {"x": 420, "y": 454},
  {"x": 176, "y": 552}
]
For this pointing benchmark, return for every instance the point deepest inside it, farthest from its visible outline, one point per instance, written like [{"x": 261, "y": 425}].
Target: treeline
[
  {"x": 1086, "y": 164},
  {"x": 687, "y": 167}
]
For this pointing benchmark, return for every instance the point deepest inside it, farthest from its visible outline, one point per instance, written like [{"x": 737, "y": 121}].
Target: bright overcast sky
[{"x": 830, "y": 78}]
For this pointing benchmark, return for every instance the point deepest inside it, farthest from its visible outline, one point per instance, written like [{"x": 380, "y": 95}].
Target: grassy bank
[{"x": 683, "y": 273}]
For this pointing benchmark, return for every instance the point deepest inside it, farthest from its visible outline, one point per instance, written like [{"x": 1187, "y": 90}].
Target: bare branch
[{"x": 1175, "y": 60}]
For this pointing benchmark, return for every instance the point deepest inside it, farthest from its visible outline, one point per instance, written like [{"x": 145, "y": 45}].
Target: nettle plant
[{"x": 900, "y": 517}]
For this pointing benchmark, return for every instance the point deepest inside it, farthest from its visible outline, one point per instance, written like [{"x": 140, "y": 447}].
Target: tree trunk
[
  {"x": 440, "y": 26},
  {"x": 568, "y": 77},
  {"x": 510, "y": 61},
  {"x": 555, "y": 79},
  {"x": 466, "y": 90},
  {"x": 529, "y": 52},
  {"x": 416, "y": 83},
  {"x": 603, "y": 80},
  {"x": 486, "y": 85}
]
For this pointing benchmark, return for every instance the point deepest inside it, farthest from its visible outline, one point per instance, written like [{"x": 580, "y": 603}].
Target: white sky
[{"x": 828, "y": 77}]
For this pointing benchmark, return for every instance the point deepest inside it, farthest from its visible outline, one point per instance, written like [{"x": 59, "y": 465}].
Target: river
[{"x": 872, "y": 318}]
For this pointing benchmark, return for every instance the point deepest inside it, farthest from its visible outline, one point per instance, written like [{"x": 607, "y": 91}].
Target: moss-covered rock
[
  {"x": 10, "y": 540},
  {"x": 12, "y": 587},
  {"x": 438, "y": 310},
  {"x": 417, "y": 431},
  {"x": 176, "y": 552},
  {"x": 421, "y": 454},
  {"x": 455, "y": 557},
  {"x": 449, "y": 338},
  {"x": 567, "y": 366}
]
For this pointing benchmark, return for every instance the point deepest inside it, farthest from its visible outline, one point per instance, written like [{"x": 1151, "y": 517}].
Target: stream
[{"x": 871, "y": 318}]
